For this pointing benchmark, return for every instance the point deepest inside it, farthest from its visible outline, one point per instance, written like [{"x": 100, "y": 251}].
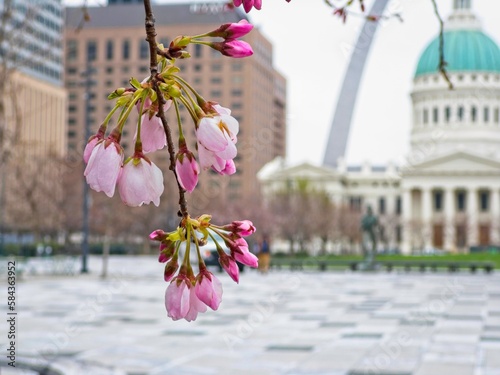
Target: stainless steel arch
[{"x": 341, "y": 124}]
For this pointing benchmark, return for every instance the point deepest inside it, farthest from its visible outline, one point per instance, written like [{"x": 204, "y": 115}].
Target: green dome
[{"x": 464, "y": 50}]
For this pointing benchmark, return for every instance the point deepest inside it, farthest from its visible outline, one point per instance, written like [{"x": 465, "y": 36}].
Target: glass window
[
  {"x": 143, "y": 49},
  {"x": 473, "y": 114},
  {"x": 72, "y": 51},
  {"x": 486, "y": 114},
  {"x": 435, "y": 115},
  {"x": 91, "y": 50},
  {"x": 447, "y": 114},
  {"x": 426, "y": 116},
  {"x": 460, "y": 113},
  {"x": 126, "y": 50},
  {"x": 484, "y": 197},
  {"x": 398, "y": 206},
  {"x": 438, "y": 201},
  {"x": 216, "y": 67},
  {"x": 197, "y": 50},
  {"x": 461, "y": 201},
  {"x": 109, "y": 50},
  {"x": 497, "y": 115},
  {"x": 381, "y": 206}
]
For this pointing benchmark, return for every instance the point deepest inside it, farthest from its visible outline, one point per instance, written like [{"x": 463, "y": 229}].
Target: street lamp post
[{"x": 86, "y": 190}]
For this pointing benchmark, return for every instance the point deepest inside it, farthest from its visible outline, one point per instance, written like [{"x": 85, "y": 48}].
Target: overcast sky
[{"x": 312, "y": 49}]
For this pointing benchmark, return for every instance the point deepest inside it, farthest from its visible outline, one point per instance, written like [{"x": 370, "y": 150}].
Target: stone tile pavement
[{"x": 293, "y": 323}]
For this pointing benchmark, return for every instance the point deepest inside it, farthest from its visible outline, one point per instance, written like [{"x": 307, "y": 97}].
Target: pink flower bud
[
  {"x": 152, "y": 132},
  {"x": 243, "y": 228},
  {"x": 157, "y": 235},
  {"x": 229, "y": 266},
  {"x": 177, "y": 298},
  {"x": 171, "y": 268},
  {"x": 167, "y": 250},
  {"x": 232, "y": 30},
  {"x": 104, "y": 166},
  {"x": 195, "y": 306},
  {"x": 208, "y": 289},
  {"x": 248, "y": 4},
  {"x": 141, "y": 181},
  {"x": 246, "y": 258},
  {"x": 187, "y": 169},
  {"x": 233, "y": 48}
]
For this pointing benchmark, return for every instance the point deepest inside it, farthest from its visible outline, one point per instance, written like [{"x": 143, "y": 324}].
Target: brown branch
[
  {"x": 442, "y": 62},
  {"x": 153, "y": 67}
]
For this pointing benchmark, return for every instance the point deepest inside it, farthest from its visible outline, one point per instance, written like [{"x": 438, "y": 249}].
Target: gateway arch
[{"x": 339, "y": 130}]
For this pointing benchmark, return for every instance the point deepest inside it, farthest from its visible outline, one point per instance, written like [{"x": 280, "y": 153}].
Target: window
[
  {"x": 461, "y": 201},
  {"x": 72, "y": 51},
  {"x": 126, "y": 50},
  {"x": 197, "y": 50},
  {"x": 473, "y": 114},
  {"x": 237, "y": 67},
  {"x": 426, "y": 116},
  {"x": 216, "y": 80},
  {"x": 236, "y": 92},
  {"x": 91, "y": 50},
  {"x": 71, "y": 70},
  {"x": 216, "y": 67},
  {"x": 381, "y": 206},
  {"x": 460, "y": 113},
  {"x": 435, "y": 115},
  {"x": 438, "y": 201},
  {"x": 447, "y": 114},
  {"x": 109, "y": 50},
  {"x": 497, "y": 115},
  {"x": 486, "y": 114},
  {"x": 109, "y": 70},
  {"x": 197, "y": 68},
  {"x": 143, "y": 49},
  {"x": 398, "y": 206},
  {"x": 484, "y": 197},
  {"x": 72, "y": 108},
  {"x": 71, "y": 134}
]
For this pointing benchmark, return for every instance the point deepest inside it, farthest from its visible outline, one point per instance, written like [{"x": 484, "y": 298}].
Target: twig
[
  {"x": 442, "y": 62},
  {"x": 153, "y": 67}
]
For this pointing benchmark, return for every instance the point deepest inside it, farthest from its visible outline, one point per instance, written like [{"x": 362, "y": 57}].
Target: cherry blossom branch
[{"x": 153, "y": 67}]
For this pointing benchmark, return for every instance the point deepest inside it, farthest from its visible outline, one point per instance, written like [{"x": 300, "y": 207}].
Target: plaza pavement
[{"x": 293, "y": 323}]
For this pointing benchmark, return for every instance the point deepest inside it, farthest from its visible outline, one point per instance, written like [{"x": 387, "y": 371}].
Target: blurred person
[{"x": 264, "y": 255}]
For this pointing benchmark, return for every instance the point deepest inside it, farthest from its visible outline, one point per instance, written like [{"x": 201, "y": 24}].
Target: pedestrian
[{"x": 264, "y": 255}]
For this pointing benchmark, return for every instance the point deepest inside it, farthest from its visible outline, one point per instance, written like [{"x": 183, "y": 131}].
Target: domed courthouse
[{"x": 447, "y": 195}]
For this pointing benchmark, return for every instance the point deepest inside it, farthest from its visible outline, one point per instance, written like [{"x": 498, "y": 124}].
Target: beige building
[
  {"x": 113, "y": 44},
  {"x": 33, "y": 153},
  {"x": 32, "y": 124}
]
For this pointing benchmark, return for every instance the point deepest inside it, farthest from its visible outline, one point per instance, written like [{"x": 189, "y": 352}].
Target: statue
[{"x": 369, "y": 224}]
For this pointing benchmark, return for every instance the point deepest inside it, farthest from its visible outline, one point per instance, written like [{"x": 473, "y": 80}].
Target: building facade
[
  {"x": 112, "y": 44},
  {"x": 447, "y": 195},
  {"x": 32, "y": 119}
]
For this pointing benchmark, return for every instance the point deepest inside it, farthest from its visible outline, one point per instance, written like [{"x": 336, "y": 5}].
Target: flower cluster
[
  {"x": 249, "y": 4},
  {"x": 138, "y": 179},
  {"x": 187, "y": 294}
]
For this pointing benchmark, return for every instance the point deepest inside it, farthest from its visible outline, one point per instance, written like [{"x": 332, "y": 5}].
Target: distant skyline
[{"x": 312, "y": 49}]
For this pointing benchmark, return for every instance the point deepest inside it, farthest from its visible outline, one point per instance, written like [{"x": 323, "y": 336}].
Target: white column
[
  {"x": 427, "y": 216},
  {"x": 472, "y": 216},
  {"x": 495, "y": 217},
  {"x": 406, "y": 215},
  {"x": 449, "y": 220}
]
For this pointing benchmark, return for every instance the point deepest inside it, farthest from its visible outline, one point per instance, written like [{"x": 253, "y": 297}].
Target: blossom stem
[
  {"x": 138, "y": 142},
  {"x": 179, "y": 122},
  {"x": 185, "y": 83},
  {"x": 125, "y": 115},
  {"x": 153, "y": 68},
  {"x": 190, "y": 110}
]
